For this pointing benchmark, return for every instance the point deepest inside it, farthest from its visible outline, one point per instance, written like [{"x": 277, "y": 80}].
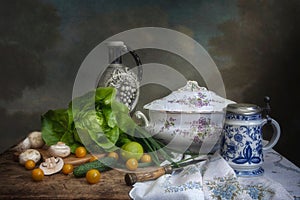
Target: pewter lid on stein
[
  {"x": 190, "y": 99},
  {"x": 243, "y": 108}
]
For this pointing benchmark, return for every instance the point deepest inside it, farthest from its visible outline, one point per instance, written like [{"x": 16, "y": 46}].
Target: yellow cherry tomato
[
  {"x": 146, "y": 158},
  {"x": 37, "y": 174},
  {"x": 93, "y": 176},
  {"x": 80, "y": 152},
  {"x": 29, "y": 164},
  {"x": 132, "y": 164},
  {"x": 93, "y": 158},
  {"x": 113, "y": 155},
  {"x": 67, "y": 169}
]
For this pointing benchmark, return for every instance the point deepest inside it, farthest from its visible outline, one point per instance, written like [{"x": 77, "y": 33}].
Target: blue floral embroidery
[
  {"x": 190, "y": 170},
  {"x": 253, "y": 192},
  {"x": 183, "y": 187},
  {"x": 190, "y": 185},
  {"x": 224, "y": 187},
  {"x": 258, "y": 192}
]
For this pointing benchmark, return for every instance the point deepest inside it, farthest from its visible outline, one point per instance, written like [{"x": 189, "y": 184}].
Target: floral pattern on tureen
[
  {"x": 189, "y": 118},
  {"x": 197, "y": 130},
  {"x": 190, "y": 98}
]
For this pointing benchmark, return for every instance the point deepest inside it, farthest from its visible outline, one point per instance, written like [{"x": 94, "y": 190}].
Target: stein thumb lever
[{"x": 267, "y": 108}]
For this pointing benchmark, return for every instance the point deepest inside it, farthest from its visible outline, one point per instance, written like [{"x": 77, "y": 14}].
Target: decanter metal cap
[{"x": 243, "y": 109}]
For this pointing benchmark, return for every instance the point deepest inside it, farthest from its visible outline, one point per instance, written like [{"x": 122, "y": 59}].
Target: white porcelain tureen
[{"x": 190, "y": 118}]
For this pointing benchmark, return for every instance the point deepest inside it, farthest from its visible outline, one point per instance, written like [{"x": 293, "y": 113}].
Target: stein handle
[{"x": 276, "y": 133}]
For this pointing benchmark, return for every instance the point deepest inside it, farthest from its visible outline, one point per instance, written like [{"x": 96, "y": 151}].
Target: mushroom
[
  {"x": 29, "y": 154},
  {"x": 22, "y": 146},
  {"x": 36, "y": 139},
  {"x": 59, "y": 150},
  {"x": 33, "y": 140},
  {"x": 52, "y": 165}
]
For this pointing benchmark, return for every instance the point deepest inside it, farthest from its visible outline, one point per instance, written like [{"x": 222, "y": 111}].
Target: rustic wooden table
[{"x": 16, "y": 183}]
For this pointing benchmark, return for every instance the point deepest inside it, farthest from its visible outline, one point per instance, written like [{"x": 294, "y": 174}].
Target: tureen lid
[
  {"x": 244, "y": 109},
  {"x": 190, "y": 98}
]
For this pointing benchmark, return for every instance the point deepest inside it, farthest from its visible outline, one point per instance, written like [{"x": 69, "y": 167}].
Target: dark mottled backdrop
[{"x": 43, "y": 42}]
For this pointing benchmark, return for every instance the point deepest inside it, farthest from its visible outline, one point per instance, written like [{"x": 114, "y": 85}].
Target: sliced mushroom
[
  {"x": 52, "y": 165},
  {"x": 59, "y": 150},
  {"x": 29, "y": 154}
]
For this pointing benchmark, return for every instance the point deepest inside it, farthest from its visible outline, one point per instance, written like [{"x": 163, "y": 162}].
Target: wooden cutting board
[{"x": 71, "y": 159}]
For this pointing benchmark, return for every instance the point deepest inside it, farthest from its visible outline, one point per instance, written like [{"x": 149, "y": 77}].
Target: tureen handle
[{"x": 141, "y": 115}]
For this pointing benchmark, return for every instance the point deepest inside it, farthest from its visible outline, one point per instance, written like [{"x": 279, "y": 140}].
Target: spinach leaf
[{"x": 56, "y": 127}]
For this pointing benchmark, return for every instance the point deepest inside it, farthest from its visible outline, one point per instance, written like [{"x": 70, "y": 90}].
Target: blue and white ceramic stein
[{"x": 242, "y": 145}]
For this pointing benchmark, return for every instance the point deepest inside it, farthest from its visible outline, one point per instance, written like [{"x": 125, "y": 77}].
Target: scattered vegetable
[
  {"x": 52, "y": 165},
  {"x": 29, "y": 164},
  {"x": 36, "y": 140},
  {"x": 33, "y": 140},
  {"x": 132, "y": 164},
  {"x": 29, "y": 154},
  {"x": 113, "y": 155},
  {"x": 56, "y": 127},
  {"x": 103, "y": 164},
  {"x": 132, "y": 150},
  {"x": 37, "y": 174},
  {"x": 59, "y": 150},
  {"x": 80, "y": 152},
  {"x": 22, "y": 146},
  {"x": 93, "y": 176},
  {"x": 93, "y": 158},
  {"x": 67, "y": 169},
  {"x": 146, "y": 158},
  {"x": 102, "y": 122}
]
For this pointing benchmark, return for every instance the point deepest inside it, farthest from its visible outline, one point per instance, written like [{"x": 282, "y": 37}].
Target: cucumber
[{"x": 103, "y": 164}]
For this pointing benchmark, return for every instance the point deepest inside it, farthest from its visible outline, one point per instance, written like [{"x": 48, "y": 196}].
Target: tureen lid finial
[{"x": 192, "y": 86}]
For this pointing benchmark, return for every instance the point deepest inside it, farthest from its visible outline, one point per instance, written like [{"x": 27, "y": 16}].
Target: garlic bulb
[{"x": 59, "y": 150}]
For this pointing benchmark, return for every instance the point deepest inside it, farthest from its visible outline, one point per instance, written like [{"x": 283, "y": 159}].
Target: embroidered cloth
[{"x": 214, "y": 179}]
